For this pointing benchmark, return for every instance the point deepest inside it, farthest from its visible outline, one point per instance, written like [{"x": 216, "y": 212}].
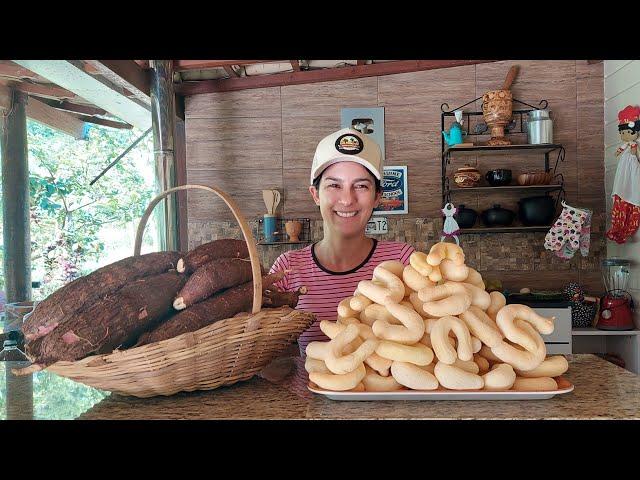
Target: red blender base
[{"x": 615, "y": 314}]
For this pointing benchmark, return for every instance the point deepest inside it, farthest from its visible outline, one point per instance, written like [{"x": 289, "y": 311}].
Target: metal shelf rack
[{"x": 516, "y": 126}]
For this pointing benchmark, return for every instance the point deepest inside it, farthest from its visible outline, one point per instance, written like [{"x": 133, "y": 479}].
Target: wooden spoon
[
  {"x": 268, "y": 197},
  {"x": 276, "y": 200},
  {"x": 511, "y": 76}
]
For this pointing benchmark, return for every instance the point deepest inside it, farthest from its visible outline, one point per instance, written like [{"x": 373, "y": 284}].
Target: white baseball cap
[{"x": 347, "y": 145}]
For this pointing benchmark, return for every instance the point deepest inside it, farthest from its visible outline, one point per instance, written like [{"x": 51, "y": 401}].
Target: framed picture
[
  {"x": 395, "y": 195},
  {"x": 369, "y": 121}
]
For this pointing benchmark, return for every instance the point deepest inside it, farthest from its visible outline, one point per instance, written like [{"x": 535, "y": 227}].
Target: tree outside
[{"x": 77, "y": 228}]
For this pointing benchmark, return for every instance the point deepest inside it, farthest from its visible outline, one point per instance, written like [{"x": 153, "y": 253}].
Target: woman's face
[{"x": 346, "y": 196}]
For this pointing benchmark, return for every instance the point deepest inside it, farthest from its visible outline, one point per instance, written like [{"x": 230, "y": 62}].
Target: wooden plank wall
[{"x": 249, "y": 140}]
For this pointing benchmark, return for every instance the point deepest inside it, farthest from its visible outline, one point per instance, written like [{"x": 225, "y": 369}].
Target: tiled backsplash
[{"x": 497, "y": 256}]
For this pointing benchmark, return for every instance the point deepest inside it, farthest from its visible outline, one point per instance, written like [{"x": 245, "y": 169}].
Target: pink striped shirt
[{"x": 327, "y": 288}]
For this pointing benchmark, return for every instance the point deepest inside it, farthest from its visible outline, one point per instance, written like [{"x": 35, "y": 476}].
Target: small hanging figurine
[
  {"x": 625, "y": 214},
  {"x": 450, "y": 228}
]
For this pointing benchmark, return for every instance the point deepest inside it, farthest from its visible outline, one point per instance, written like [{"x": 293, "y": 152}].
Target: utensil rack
[
  {"x": 280, "y": 234},
  {"x": 516, "y": 126}
]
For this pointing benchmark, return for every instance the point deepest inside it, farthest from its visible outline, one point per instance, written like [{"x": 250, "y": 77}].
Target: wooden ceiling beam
[
  {"x": 127, "y": 74},
  {"x": 179, "y": 65},
  {"x": 230, "y": 71},
  {"x": 320, "y": 75},
  {"x": 105, "y": 122},
  {"x": 56, "y": 119},
  {"x": 5, "y": 98},
  {"x": 43, "y": 90},
  {"x": 74, "y": 107},
  {"x": 98, "y": 90},
  {"x": 10, "y": 69}
]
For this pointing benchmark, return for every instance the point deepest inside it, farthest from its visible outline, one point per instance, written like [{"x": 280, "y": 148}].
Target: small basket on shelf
[{"x": 222, "y": 353}]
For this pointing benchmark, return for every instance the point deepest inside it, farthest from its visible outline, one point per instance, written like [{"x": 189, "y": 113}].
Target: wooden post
[
  {"x": 15, "y": 205},
  {"x": 16, "y": 239},
  {"x": 163, "y": 111}
]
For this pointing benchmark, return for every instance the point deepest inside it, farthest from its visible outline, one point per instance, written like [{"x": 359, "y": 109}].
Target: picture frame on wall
[
  {"x": 367, "y": 120},
  {"x": 395, "y": 191}
]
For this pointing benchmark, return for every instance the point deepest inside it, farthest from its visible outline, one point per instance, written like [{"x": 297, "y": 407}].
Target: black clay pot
[
  {"x": 497, "y": 217},
  {"x": 499, "y": 177},
  {"x": 465, "y": 217},
  {"x": 538, "y": 210}
]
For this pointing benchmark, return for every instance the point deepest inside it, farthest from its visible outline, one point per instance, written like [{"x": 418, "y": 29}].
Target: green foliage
[
  {"x": 66, "y": 212},
  {"x": 54, "y": 397},
  {"x": 67, "y": 218}
]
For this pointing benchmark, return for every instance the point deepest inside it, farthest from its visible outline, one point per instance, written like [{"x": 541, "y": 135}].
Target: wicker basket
[{"x": 222, "y": 353}]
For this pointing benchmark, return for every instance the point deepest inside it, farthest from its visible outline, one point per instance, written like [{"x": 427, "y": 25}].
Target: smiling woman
[{"x": 345, "y": 184}]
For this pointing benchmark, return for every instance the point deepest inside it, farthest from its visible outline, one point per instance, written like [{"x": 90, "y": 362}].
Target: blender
[{"x": 616, "y": 308}]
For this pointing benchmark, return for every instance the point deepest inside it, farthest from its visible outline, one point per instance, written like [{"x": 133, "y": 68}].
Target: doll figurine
[
  {"x": 450, "y": 228},
  {"x": 625, "y": 214}
]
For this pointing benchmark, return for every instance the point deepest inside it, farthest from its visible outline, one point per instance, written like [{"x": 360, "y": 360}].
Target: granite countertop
[{"x": 602, "y": 391}]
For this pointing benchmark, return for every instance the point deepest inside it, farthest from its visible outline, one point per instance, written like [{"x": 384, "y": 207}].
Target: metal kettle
[{"x": 539, "y": 127}]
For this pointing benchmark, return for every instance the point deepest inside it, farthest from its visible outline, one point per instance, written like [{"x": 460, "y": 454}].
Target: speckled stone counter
[{"x": 602, "y": 391}]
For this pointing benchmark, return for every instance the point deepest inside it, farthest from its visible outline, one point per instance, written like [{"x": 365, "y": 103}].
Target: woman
[{"x": 346, "y": 184}]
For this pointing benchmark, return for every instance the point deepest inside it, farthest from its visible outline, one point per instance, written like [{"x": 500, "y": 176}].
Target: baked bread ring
[
  {"x": 435, "y": 275},
  {"x": 413, "y": 376},
  {"x": 474, "y": 278},
  {"x": 440, "y": 340},
  {"x": 442, "y": 250},
  {"x": 314, "y": 365},
  {"x": 481, "y": 326},
  {"x": 338, "y": 383},
  {"x": 394, "y": 266},
  {"x": 417, "y": 354},
  {"x": 359, "y": 303},
  {"x": 347, "y": 321},
  {"x": 377, "y": 383},
  {"x": 527, "y": 359},
  {"x": 384, "y": 288},
  {"x": 498, "y": 301},
  {"x": 411, "y": 330},
  {"x": 439, "y": 292},
  {"x": 486, "y": 352},
  {"x": 379, "y": 364},
  {"x": 452, "y": 271},
  {"x": 501, "y": 377},
  {"x": 539, "y": 384},
  {"x": 418, "y": 260},
  {"x": 468, "y": 366},
  {"x": 550, "y": 367},
  {"x": 450, "y": 306},
  {"x": 506, "y": 321},
  {"x": 376, "y": 312},
  {"x": 483, "y": 364},
  {"x": 345, "y": 310},
  {"x": 412, "y": 279},
  {"x": 455, "y": 378}
]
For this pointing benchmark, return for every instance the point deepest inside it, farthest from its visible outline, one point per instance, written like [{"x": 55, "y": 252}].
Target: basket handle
[{"x": 246, "y": 233}]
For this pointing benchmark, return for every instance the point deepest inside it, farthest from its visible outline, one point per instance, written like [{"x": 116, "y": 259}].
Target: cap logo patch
[{"x": 349, "y": 144}]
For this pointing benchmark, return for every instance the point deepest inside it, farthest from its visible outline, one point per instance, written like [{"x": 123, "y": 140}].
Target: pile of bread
[{"x": 431, "y": 325}]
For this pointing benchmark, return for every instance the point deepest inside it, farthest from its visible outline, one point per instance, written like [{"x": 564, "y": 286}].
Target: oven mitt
[{"x": 564, "y": 236}]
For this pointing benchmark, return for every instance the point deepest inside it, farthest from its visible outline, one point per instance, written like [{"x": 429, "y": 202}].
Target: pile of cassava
[{"x": 145, "y": 299}]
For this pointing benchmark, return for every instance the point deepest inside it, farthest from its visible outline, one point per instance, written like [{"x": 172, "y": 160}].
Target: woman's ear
[{"x": 314, "y": 194}]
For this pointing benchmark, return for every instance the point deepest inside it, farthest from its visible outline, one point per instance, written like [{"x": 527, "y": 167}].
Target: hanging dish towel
[
  {"x": 625, "y": 219},
  {"x": 570, "y": 232}
]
